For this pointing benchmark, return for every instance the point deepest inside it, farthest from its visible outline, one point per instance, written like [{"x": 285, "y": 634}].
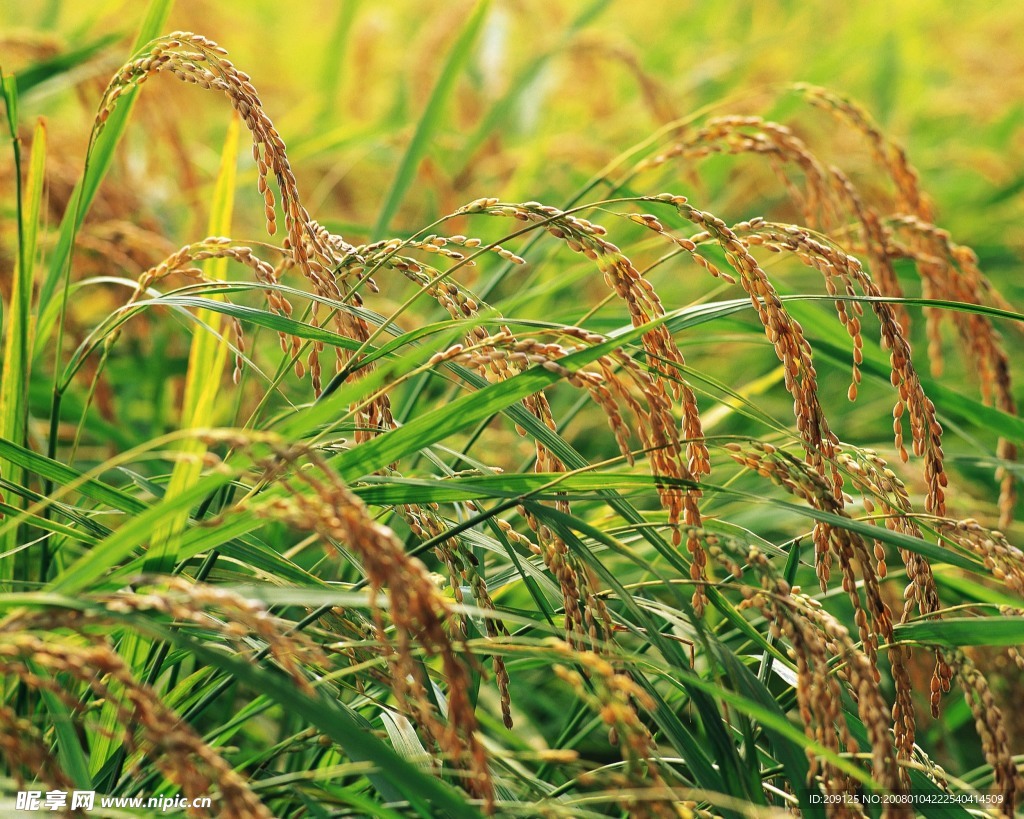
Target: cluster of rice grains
[
  {"x": 316, "y": 500},
  {"x": 819, "y": 479},
  {"x": 619, "y": 700},
  {"x": 677, "y": 453},
  {"x": 644, "y": 397},
  {"x": 195, "y": 59},
  {"x": 948, "y": 271}
]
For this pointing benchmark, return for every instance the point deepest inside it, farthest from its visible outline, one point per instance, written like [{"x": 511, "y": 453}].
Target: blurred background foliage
[{"x": 553, "y": 90}]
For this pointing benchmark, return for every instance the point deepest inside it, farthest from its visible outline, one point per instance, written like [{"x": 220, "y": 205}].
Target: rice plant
[{"x": 649, "y": 500}]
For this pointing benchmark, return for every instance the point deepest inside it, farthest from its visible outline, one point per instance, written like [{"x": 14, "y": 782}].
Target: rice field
[{"x": 463, "y": 409}]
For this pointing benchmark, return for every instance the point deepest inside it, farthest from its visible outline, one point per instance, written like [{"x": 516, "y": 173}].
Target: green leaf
[
  {"x": 406, "y": 490},
  {"x": 15, "y": 368},
  {"x": 405, "y": 739},
  {"x": 47, "y": 69},
  {"x": 427, "y": 795},
  {"x": 964, "y": 631},
  {"x": 334, "y": 62},
  {"x": 207, "y": 358},
  {"x": 519, "y": 90},
  {"x": 63, "y": 475},
  {"x": 69, "y": 748},
  {"x": 132, "y": 535}
]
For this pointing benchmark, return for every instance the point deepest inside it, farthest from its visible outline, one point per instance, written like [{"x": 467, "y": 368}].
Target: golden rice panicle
[
  {"x": 23, "y": 750},
  {"x": 874, "y": 622},
  {"x": 1004, "y": 560},
  {"x": 952, "y": 271},
  {"x": 871, "y": 705},
  {"x": 197, "y": 60},
  {"x": 504, "y": 355},
  {"x": 727, "y": 134},
  {"x": 793, "y": 350},
  {"x": 618, "y": 699},
  {"x": 687, "y": 244},
  {"x": 875, "y": 242},
  {"x": 734, "y": 135},
  {"x": 654, "y": 423},
  {"x": 819, "y": 693},
  {"x": 925, "y": 429},
  {"x": 639, "y": 296},
  {"x": 783, "y": 332},
  {"x": 815, "y": 637},
  {"x": 664, "y": 358},
  {"x": 871, "y": 474},
  {"x": 948, "y": 271},
  {"x": 844, "y": 276},
  {"x": 234, "y": 616},
  {"x": 643, "y": 303},
  {"x": 458, "y": 302},
  {"x": 835, "y": 266},
  {"x": 576, "y": 580},
  {"x": 579, "y": 601},
  {"x": 988, "y": 721},
  {"x": 888, "y": 155},
  {"x": 388, "y": 253},
  {"x": 1013, "y": 653},
  {"x": 179, "y": 753},
  {"x": 183, "y": 263},
  {"x": 336, "y": 258},
  {"x": 882, "y": 488},
  {"x": 804, "y": 481},
  {"x": 318, "y": 501}
]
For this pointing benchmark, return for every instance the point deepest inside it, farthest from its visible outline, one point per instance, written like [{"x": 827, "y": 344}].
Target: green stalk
[{"x": 16, "y": 366}]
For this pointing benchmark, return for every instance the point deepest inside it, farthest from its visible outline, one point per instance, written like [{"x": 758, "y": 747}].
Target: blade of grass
[
  {"x": 333, "y": 71},
  {"x": 69, "y": 748},
  {"x": 499, "y": 112},
  {"x": 98, "y": 159},
  {"x": 539, "y": 485},
  {"x": 52, "y": 67},
  {"x": 14, "y": 371},
  {"x": 133, "y": 534},
  {"x": 57, "y": 473},
  {"x": 207, "y": 358},
  {"x": 965, "y": 631}
]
